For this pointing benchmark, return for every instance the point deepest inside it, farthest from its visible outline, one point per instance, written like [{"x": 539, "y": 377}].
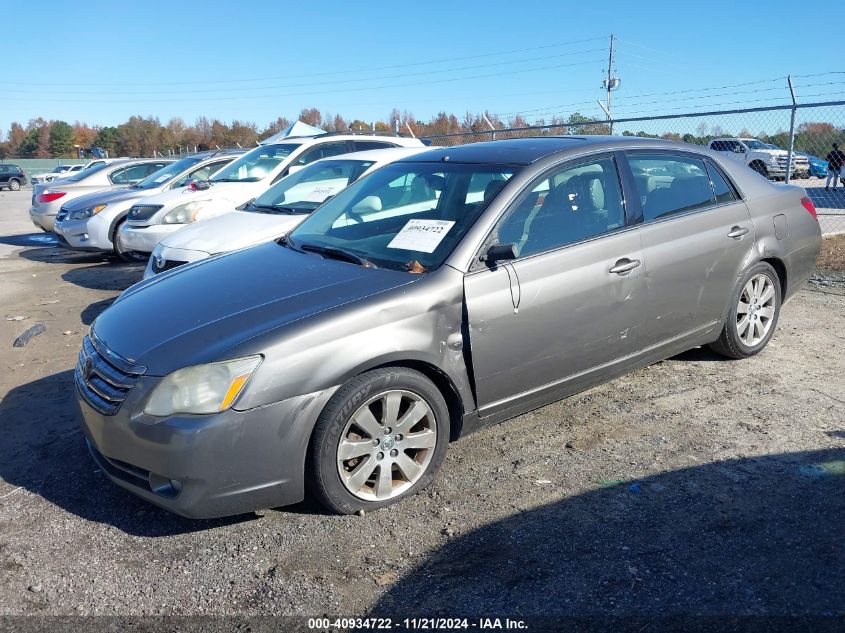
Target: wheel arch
[
  {"x": 120, "y": 217},
  {"x": 780, "y": 269},
  {"x": 444, "y": 383}
]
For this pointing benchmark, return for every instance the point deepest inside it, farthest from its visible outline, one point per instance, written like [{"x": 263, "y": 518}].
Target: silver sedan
[{"x": 442, "y": 293}]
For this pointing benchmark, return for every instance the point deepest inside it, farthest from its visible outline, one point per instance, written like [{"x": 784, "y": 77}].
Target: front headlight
[
  {"x": 184, "y": 213},
  {"x": 84, "y": 214},
  {"x": 773, "y": 158},
  {"x": 201, "y": 389}
]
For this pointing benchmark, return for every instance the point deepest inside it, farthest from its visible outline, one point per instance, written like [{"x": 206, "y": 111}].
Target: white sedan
[{"x": 273, "y": 213}]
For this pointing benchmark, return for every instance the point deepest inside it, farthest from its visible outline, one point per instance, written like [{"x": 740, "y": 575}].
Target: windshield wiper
[
  {"x": 338, "y": 253},
  {"x": 226, "y": 180},
  {"x": 264, "y": 208}
]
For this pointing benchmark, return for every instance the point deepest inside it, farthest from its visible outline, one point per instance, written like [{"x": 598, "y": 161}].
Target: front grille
[
  {"x": 143, "y": 212},
  {"x": 102, "y": 379},
  {"x": 166, "y": 265}
]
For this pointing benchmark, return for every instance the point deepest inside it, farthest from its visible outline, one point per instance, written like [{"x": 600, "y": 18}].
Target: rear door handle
[
  {"x": 737, "y": 232},
  {"x": 624, "y": 266}
]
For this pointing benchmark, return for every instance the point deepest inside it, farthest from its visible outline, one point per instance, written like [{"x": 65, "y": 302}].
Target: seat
[
  {"x": 492, "y": 189},
  {"x": 683, "y": 194}
]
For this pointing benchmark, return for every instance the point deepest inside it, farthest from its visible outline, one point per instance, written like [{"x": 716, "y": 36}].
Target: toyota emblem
[{"x": 160, "y": 261}]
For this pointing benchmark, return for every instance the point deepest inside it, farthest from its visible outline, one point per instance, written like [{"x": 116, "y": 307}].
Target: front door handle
[
  {"x": 737, "y": 232},
  {"x": 624, "y": 266}
]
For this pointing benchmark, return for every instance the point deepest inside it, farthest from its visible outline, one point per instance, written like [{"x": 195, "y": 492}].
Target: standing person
[{"x": 835, "y": 161}]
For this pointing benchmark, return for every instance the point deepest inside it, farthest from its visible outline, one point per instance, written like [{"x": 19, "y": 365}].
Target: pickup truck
[{"x": 765, "y": 160}]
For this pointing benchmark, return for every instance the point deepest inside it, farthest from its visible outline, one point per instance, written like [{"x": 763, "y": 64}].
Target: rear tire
[
  {"x": 753, "y": 316},
  {"x": 131, "y": 257},
  {"x": 382, "y": 437},
  {"x": 760, "y": 168},
  {"x": 14, "y": 185}
]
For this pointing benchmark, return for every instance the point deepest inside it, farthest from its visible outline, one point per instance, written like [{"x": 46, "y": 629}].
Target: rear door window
[
  {"x": 724, "y": 192},
  {"x": 324, "y": 150},
  {"x": 669, "y": 184}
]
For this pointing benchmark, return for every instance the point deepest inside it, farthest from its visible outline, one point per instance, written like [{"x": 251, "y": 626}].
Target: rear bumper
[
  {"x": 42, "y": 220},
  {"x": 205, "y": 466}
]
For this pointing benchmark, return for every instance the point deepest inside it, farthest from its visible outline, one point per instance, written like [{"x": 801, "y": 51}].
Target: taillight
[
  {"x": 811, "y": 208},
  {"x": 50, "y": 196}
]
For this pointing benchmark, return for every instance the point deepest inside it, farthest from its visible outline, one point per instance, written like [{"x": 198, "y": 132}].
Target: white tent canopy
[{"x": 294, "y": 129}]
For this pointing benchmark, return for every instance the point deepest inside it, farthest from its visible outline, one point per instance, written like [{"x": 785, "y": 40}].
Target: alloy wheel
[
  {"x": 756, "y": 310},
  {"x": 386, "y": 445}
]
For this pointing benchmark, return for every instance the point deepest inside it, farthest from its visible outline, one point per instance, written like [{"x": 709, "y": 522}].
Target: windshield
[
  {"x": 255, "y": 164},
  {"x": 404, "y": 216},
  {"x": 755, "y": 144},
  {"x": 84, "y": 173},
  {"x": 168, "y": 172},
  {"x": 307, "y": 189}
]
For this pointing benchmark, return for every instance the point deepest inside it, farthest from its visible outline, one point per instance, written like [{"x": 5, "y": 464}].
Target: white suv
[
  {"x": 154, "y": 218},
  {"x": 274, "y": 212},
  {"x": 767, "y": 161},
  {"x": 60, "y": 171}
]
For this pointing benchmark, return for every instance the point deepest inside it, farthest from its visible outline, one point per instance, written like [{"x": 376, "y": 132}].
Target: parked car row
[{"x": 327, "y": 312}]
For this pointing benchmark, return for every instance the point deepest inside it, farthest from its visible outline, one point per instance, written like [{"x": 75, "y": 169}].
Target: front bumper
[
  {"x": 42, "y": 220},
  {"x": 144, "y": 239},
  {"x": 76, "y": 234},
  {"x": 205, "y": 466}
]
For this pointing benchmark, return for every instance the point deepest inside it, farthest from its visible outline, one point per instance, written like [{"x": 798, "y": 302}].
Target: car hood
[
  {"x": 109, "y": 196},
  {"x": 232, "y": 231},
  {"x": 197, "y": 313},
  {"x": 230, "y": 192}
]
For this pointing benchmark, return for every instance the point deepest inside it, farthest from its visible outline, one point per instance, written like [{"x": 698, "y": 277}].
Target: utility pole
[{"x": 610, "y": 84}]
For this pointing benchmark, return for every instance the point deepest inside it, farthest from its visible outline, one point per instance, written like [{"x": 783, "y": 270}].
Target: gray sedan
[{"x": 440, "y": 294}]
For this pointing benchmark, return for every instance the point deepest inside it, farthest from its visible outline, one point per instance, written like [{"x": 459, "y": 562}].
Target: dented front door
[{"x": 543, "y": 322}]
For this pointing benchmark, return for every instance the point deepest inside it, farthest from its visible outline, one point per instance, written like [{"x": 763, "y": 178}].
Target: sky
[{"x": 254, "y": 61}]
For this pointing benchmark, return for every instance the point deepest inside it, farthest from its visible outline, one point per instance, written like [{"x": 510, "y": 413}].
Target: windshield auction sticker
[{"x": 422, "y": 236}]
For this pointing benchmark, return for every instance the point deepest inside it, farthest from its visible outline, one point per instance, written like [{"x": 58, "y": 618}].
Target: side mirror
[
  {"x": 499, "y": 253},
  {"x": 739, "y": 149}
]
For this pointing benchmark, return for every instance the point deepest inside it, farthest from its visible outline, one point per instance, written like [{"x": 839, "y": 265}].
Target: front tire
[
  {"x": 14, "y": 185},
  {"x": 753, "y": 316},
  {"x": 382, "y": 437}
]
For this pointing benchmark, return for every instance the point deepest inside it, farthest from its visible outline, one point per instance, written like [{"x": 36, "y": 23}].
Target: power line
[
  {"x": 316, "y": 74},
  {"x": 319, "y": 92},
  {"x": 335, "y": 82}
]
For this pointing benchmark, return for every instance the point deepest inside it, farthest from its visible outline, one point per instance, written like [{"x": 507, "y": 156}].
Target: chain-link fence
[{"x": 808, "y": 130}]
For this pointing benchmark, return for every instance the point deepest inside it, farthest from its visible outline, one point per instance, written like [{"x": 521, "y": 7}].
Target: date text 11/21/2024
[{"x": 418, "y": 624}]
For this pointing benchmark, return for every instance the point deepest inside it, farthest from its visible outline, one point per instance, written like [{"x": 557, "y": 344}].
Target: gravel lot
[{"x": 695, "y": 486}]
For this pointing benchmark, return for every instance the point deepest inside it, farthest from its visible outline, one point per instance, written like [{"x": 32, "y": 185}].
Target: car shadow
[
  {"x": 758, "y": 536},
  {"x": 94, "y": 310},
  {"x": 107, "y": 276},
  {"x": 44, "y": 453},
  {"x": 700, "y": 354}
]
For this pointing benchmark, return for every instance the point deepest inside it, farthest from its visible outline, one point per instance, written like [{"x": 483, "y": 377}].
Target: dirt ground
[{"x": 696, "y": 486}]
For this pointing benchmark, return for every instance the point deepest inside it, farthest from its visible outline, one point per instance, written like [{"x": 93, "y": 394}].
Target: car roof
[
  {"x": 524, "y": 151},
  {"x": 328, "y": 137},
  {"x": 388, "y": 154}
]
